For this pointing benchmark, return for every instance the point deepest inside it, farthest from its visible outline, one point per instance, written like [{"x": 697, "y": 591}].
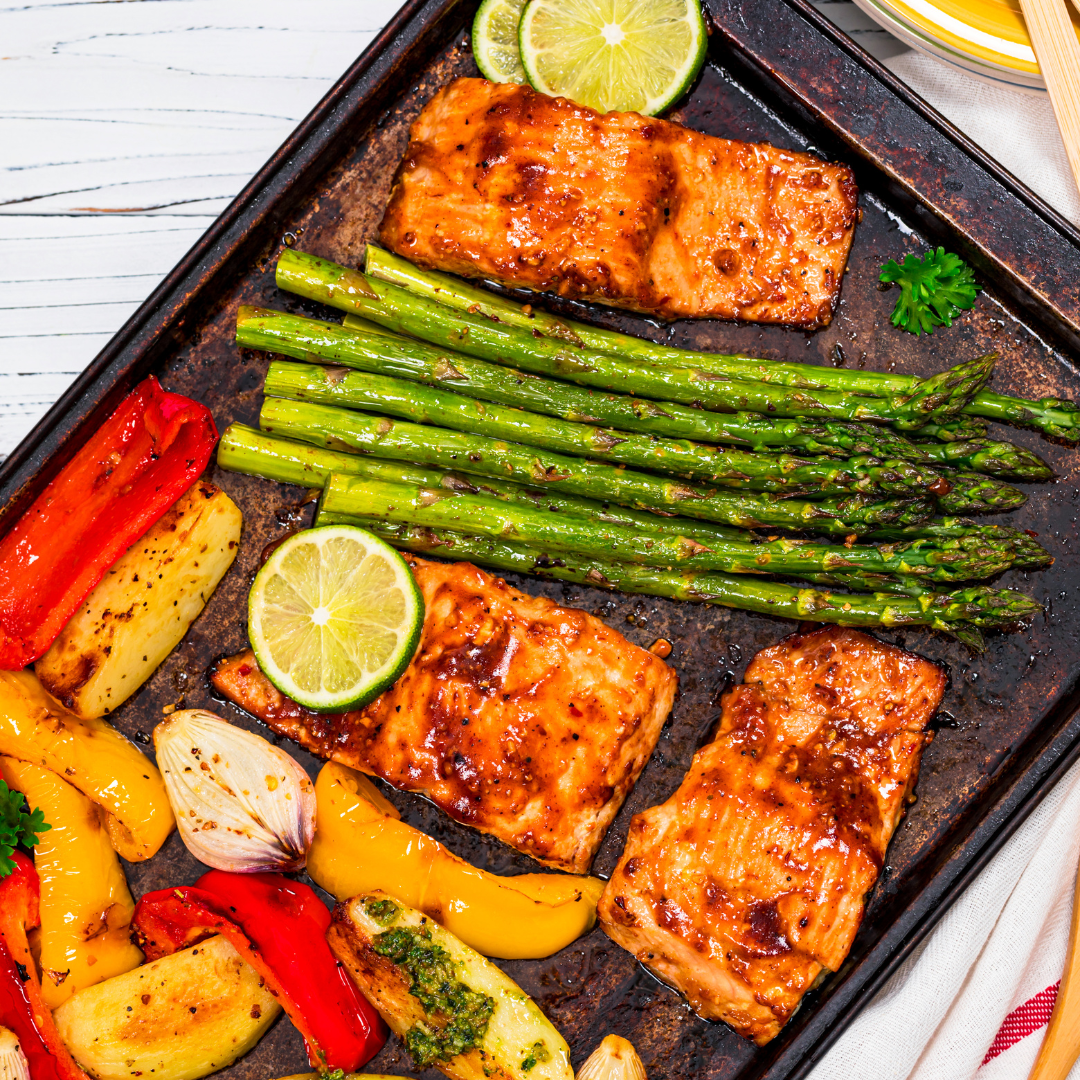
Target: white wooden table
[{"x": 125, "y": 129}]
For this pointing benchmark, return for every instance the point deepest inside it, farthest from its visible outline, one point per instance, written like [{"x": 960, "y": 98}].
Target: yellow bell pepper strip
[
  {"x": 361, "y": 845},
  {"x": 92, "y": 756},
  {"x": 85, "y": 904},
  {"x": 21, "y": 1009}
]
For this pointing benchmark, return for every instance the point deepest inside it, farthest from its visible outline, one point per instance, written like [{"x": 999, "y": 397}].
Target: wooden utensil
[
  {"x": 1061, "y": 1046},
  {"x": 1058, "y": 51}
]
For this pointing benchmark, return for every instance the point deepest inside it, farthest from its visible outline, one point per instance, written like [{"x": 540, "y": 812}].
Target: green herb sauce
[
  {"x": 384, "y": 912},
  {"x": 434, "y": 983},
  {"x": 538, "y": 1052}
]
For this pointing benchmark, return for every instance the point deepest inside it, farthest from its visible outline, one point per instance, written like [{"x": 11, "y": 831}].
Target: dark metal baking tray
[{"x": 777, "y": 71}]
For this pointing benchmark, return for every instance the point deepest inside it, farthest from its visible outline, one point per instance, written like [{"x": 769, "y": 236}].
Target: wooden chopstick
[
  {"x": 1061, "y": 1046},
  {"x": 1058, "y": 51}
]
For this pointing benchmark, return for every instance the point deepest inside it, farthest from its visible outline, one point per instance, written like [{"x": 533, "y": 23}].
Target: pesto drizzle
[
  {"x": 384, "y": 912},
  {"x": 434, "y": 983},
  {"x": 537, "y": 1052}
]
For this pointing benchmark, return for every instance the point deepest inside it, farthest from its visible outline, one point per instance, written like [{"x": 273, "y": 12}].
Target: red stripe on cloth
[{"x": 1023, "y": 1020}]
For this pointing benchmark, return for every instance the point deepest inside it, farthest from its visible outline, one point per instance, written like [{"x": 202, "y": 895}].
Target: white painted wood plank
[
  {"x": 49, "y": 320},
  {"x": 78, "y": 292},
  {"x": 56, "y": 353},
  {"x": 62, "y": 249}
]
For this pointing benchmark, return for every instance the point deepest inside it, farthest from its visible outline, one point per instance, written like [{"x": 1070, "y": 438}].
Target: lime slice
[
  {"x": 334, "y": 617},
  {"x": 613, "y": 55},
  {"x": 495, "y": 40}
]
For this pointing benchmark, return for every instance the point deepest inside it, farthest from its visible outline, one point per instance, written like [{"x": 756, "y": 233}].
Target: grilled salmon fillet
[
  {"x": 525, "y": 719},
  {"x": 748, "y": 883},
  {"x": 501, "y": 182}
]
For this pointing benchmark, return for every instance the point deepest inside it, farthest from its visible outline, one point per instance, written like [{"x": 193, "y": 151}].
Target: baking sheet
[{"x": 1005, "y": 730}]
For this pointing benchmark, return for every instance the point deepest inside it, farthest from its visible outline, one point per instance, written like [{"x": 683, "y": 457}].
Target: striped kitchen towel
[{"x": 973, "y": 1001}]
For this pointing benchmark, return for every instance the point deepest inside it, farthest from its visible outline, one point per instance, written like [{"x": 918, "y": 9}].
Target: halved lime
[
  {"x": 495, "y": 40},
  {"x": 613, "y": 55},
  {"x": 334, "y": 617}
]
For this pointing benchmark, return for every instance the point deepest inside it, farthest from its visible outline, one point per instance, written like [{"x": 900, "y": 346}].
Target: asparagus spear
[
  {"x": 362, "y": 345},
  {"x": 855, "y": 580},
  {"x": 699, "y": 461},
  {"x": 1055, "y": 417},
  {"x": 936, "y": 398},
  {"x": 340, "y": 429},
  {"x": 988, "y": 456},
  {"x": 960, "y": 612},
  {"x": 1028, "y": 554},
  {"x": 412, "y": 504},
  {"x": 958, "y": 429},
  {"x": 973, "y": 493}
]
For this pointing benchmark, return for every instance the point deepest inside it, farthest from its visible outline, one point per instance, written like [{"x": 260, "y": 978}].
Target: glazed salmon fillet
[
  {"x": 523, "y": 718},
  {"x": 748, "y": 884},
  {"x": 504, "y": 183}
]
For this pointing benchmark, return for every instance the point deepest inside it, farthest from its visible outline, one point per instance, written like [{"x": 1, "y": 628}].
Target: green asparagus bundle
[
  {"x": 922, "y": 401},
  {"x": 341, "y": 429},
  {"x": 1053, "y": 416},
  {"x": 439, "y": 508},
  {"x": 366, "y": 347},
  {"x": 243, "y": 449},
  {"x": 370, "y": 348},
  {"x": 541, "y": 469},
  {"x": 963, "y": 612},
  {"x": 784, "y": 473}
]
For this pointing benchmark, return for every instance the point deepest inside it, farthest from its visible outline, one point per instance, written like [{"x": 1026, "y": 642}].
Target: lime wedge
[
  {"x": 613, "y": 55},
  {"x": 334, "y": 617},
  {"x": 495, "y": 40}
]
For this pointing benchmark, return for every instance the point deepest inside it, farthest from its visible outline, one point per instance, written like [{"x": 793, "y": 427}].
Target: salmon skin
[
  {"x": 503, "y": 183},
  {"x": 747, "y": 886}
]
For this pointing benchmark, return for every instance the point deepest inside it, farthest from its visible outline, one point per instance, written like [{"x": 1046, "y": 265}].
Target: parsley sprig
[
  {"x": 17, "y": 826},
  {"x": 933, "y": 290}
]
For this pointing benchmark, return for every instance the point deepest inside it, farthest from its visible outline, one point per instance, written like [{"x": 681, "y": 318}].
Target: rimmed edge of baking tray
[{"x": 350, "y": 105}]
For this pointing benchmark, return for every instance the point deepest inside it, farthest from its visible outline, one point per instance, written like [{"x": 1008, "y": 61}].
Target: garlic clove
[
  {"x": 614, "y": 1059},
  {"x": 241, "y": 804},
  {"x": 13, "y": 1063}
]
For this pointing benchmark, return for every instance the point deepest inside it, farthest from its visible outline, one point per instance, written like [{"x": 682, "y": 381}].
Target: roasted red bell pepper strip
[
  {"x": 279, "y": 927},
  {"x": 21, "y": 1008},
  {"x": 135, "y": 466}
]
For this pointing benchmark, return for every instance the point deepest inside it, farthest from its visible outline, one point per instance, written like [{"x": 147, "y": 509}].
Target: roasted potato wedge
[
  {"x": 420, "y": 978},
  {"x": 179, "y": 1018},
  {"x": 144, "y": 605}
]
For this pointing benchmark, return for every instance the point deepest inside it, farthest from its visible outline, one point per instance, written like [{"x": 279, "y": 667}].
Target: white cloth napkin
[
  {"x": 975, "y": 998},
  {"x": 1013, "y": 126}
]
